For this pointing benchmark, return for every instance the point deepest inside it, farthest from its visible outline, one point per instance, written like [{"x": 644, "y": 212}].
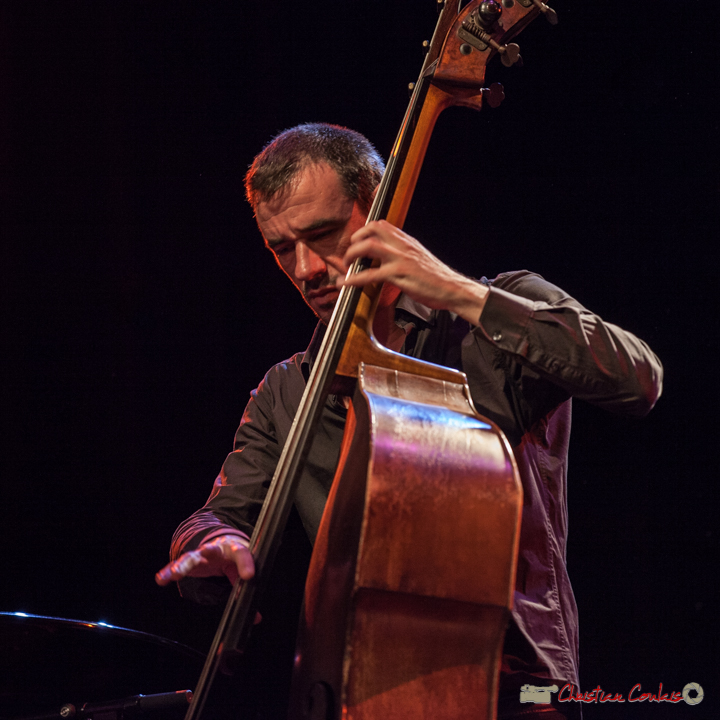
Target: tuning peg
[
  {"x": 493, "y": 95},
  {"x": 509, "y": 54},
  {"x": 548, "y": 12}
]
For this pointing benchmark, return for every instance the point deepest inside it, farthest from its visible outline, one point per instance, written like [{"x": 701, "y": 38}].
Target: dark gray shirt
[{"x": 533, "y": 350}]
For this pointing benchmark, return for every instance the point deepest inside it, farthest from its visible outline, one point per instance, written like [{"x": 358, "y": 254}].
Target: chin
[
  {"x": 324, "y": 315},
  {"x": 324, "y": 311}
]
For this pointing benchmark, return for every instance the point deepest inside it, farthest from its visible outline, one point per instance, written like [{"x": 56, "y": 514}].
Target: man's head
[
  {"x": 350, "y": 154},
  {"x": 311, "y": 189}
]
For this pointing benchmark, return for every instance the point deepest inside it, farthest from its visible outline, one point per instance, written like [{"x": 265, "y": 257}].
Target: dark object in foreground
[
  {"x": 171, "y": 705},
  {"x": 51, "y": 664}
]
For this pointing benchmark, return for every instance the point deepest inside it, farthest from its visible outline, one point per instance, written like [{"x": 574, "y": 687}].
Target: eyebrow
[{"x": 320, "y": 224}]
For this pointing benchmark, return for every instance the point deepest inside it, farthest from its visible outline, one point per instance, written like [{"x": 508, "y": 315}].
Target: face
[{"x": 307, "y": 227}]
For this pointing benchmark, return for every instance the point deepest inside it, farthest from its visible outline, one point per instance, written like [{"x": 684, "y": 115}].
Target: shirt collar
[
  {"x": 406, "y": 310},
  {"x": 417, "y": 310}
]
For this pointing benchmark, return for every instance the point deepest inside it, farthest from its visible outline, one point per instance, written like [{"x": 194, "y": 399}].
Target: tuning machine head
[
  {"x": 488, "y": 13},
  {"x": 493, "y": 95},
  {"x": 548, "y": 12}
]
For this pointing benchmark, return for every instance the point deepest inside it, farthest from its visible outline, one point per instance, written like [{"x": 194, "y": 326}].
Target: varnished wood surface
[{"x": 411, "y": 581}]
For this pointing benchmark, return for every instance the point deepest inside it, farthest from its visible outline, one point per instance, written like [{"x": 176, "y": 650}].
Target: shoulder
[
  {"x": 529, "y": 285},
  {"x": 275, "y": 400},
  {"x": 273, "y": 403},
  {"x": 285, "y": 369},
  {"x": 282, "y": 379}
]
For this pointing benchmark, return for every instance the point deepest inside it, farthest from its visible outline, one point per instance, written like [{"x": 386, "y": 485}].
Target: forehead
[{"x": 315, "y": 193}]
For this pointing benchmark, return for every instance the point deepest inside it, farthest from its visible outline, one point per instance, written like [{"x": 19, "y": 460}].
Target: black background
[{"x": 139, "y": 307}]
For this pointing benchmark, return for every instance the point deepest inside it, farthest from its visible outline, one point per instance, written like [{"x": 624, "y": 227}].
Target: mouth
[{"x": 324, "y": 294}]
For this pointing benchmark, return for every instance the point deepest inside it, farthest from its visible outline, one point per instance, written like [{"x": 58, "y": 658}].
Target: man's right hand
[{"x": 224, "y": 555}]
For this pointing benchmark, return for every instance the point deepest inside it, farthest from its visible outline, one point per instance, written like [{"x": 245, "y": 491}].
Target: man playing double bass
[{"x": 525, "y": 345}]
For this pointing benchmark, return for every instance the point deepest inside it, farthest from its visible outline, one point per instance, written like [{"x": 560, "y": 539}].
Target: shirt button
[{"x": 497, "y": 336}]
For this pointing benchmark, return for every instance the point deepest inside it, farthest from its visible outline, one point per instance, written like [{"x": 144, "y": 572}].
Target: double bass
[{"x": 412, "y": 575}]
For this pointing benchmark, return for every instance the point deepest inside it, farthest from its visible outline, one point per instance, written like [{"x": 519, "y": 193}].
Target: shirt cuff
[
  {"x": 242, "y": 538},
  {"x": 505, "y": 319}
]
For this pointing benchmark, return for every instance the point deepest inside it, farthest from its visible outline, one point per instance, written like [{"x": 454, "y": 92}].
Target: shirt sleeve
[
  {"x": 240, "y": 488},
  {"x": 547, "y": 330}
]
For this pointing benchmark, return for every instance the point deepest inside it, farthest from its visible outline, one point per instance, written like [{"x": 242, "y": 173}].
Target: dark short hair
[{"x": 349, "y": 153}]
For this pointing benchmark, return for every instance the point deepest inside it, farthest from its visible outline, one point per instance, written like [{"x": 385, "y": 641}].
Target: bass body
[{"x": 410, "y": 584}]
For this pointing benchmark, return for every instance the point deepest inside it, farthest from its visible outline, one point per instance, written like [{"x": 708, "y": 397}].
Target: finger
[
  {"x": 234, "y": 558},
  {"x": 370, "y": 248},
  {"x": 365, "y": 277},
  {"x": 377, "y": 228},
  {"x": 244, "y": 563},
  {"x": 378, "y": 254},
  {"x": 180, "y": 568}
]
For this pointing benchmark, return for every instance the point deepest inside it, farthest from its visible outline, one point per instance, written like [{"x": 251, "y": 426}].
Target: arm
[
  {"x": 523, "y": 316},
  {"x": 214, "y": 540},
  {"x": 547, "y": 330}
]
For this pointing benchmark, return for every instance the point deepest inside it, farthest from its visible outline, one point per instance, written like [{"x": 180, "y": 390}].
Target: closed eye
[
  {"x": 326, "y": 234},
  {"x": 281, "y": 248}
]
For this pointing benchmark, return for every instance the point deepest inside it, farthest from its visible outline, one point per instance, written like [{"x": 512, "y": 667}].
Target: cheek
[
  {"x": 287, "y": 264},
  {"x": 336, "y": 259},
  {"x": 335, "y": 266}
]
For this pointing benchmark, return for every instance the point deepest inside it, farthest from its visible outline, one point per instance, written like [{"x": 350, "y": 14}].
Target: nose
[{"x": 308, "y": 264}]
